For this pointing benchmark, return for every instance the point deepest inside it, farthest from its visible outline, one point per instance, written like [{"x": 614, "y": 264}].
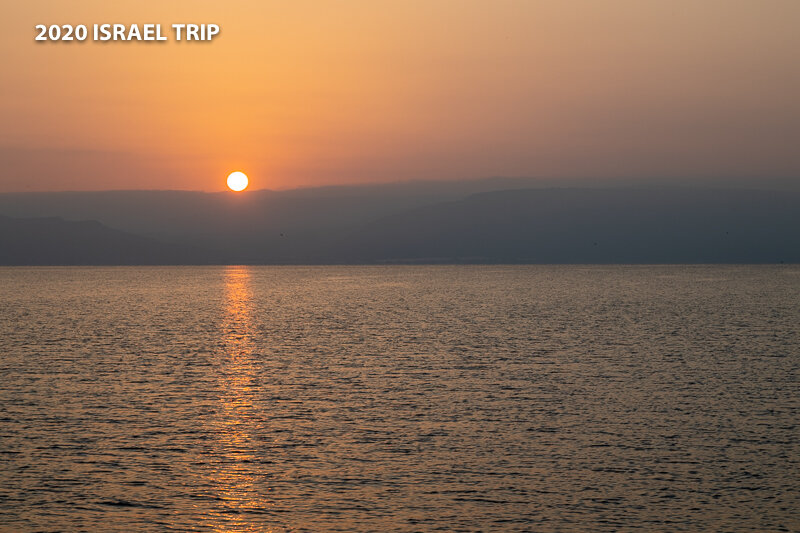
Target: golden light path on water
[{"x": 236, "y": 487}]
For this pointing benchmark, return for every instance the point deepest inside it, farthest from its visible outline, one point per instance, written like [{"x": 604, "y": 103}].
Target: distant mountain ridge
[
  {"x": 591, "y": 226},
  {"x": 54, "y": 241},
  {"x": 404, "y": 225}
]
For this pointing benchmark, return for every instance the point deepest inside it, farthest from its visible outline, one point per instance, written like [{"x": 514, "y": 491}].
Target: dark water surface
[{"x": 400, "y": 398}]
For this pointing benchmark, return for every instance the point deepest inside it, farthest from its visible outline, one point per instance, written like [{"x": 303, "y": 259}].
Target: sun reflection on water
[{"x": 239, "y": 492}]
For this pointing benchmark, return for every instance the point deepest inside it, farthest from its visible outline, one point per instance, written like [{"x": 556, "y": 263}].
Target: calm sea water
[{"x": 400, "y": 398}]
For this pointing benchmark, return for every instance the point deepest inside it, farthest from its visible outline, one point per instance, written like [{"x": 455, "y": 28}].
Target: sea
[{"x": 400, "y": 398}]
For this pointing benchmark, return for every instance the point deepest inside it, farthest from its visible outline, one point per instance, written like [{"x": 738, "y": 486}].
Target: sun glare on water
[{"x": 237, "y": 181}]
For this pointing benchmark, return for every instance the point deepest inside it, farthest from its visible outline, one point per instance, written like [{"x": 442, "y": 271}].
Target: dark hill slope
[
  {"x": 54, "y": 241},
  {"x": 590, "y": 226},
  {"x": 362, "y": 226}
]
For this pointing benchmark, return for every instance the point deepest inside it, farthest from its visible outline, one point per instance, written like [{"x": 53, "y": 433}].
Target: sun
[{"x": 237, "y": 181}]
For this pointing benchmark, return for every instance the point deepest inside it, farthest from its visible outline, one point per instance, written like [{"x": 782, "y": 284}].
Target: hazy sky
[{"x": 310, "y": 93}]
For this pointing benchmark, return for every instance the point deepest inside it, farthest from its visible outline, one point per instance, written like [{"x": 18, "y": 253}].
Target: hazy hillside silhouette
[
  {"x": 54, "y": 241},
  {"x": 405, "y": 223},
  {"x": 590, "y": 226}
]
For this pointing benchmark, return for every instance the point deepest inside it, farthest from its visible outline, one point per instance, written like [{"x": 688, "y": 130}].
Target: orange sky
[{"x": 314, "y": 93}]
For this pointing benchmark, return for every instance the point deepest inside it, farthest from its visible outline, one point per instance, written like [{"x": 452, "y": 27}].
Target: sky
[{"x": 304, "y": 93}]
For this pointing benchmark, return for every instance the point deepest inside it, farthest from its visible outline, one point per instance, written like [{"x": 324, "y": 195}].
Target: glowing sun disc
[{"x": 237, "y": 181}]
